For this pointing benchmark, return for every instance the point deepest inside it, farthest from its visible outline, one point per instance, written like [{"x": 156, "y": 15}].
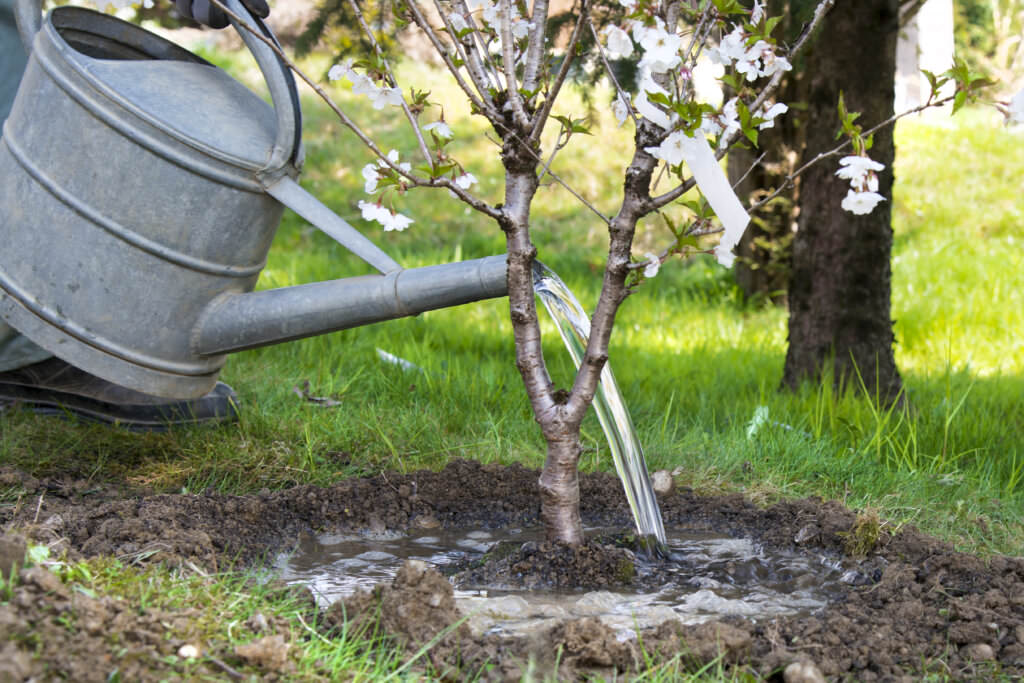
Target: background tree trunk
[
  {"x": 840, "y": 283},
  {"x": 762, "y": 269}
]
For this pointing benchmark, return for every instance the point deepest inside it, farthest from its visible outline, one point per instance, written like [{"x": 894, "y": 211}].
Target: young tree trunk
[{"x": 839, "y": 288}]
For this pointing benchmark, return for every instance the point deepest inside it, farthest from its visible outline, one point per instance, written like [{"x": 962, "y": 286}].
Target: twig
[
  {"x": 424, "y": 150},
  {"x": 508, "y": 46},
  {"x": 312, "y": 630},
  {"x": 477, "y": 36},
  {"x": 231, "y": 673},
  {"x": 39, "y": 506},
  {"x": 563, "y": 72},
  {"x": 484, "y": 104},
  {"x": 474, "y": 202},
  {"x": 619, "y": 91},
  {"x": 787, "y": 182}
]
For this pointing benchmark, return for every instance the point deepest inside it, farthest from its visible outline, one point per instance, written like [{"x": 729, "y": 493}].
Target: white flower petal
[
  {"x": 440, "y": 129},
  {"x": 653, "y": 265},
  {"x": 861, "y": 203}
]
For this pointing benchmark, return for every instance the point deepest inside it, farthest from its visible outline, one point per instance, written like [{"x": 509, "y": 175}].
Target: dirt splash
[{"x": 914, "y": 606}]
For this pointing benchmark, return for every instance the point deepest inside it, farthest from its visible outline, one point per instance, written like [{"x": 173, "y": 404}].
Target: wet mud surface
[{"x": 912, "y": 606}]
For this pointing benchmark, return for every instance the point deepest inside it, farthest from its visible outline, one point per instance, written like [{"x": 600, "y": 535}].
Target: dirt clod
[
  {"x": 803, "y": 672},
  {"x": 269, "y": 653}
]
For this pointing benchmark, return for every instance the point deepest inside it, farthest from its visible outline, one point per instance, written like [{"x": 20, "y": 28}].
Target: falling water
[{"x": 574, "y": 327}]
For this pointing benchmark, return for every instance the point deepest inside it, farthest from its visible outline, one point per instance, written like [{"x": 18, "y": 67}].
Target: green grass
[{"x": 694, "y": 362}]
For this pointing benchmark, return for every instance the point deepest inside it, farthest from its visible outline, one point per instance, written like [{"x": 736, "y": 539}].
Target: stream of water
[{"x": 574, "y": 327}]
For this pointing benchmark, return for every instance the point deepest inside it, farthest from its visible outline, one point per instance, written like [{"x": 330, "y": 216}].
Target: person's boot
[{"x": 54, "y": 387}]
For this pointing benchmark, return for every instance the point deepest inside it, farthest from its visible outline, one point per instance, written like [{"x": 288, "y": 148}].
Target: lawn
[{"x": 695, "y": 362}]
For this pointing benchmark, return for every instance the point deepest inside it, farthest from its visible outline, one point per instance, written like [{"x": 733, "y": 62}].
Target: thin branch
[
  {"x": 468, "y": 55},
  {"x": 549, "y": 101},
  {"x": 454, "y": 70},
  {"x": 508, "y": 46},
  {"x": 477, "y": 36},
  {"x": 535, "y": 49},
  {"x": 749, "y": 170},
  {"x": 619, "y": 90},
  {"x": 787, "y": 182},
  {"x": 474, "y": 202},
  {"x": 424, "y": 150}
]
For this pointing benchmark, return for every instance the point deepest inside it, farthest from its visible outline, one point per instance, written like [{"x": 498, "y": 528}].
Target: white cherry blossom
[
  {"x": 371, "y": 177},
  {"x": 757, "y": 12},
  {"x": 619, "y": 44},
  {"x": 769, "y": 115},
  {"x": 861, "y": 203},
  {"x": 466, "y": 181},
  {"x": 670, "y": 150},
  {"x": 855, "y": 168},
  {"x": 661, "y": 50},
  {"x": 372, "y": 211},
  {"x": 731, "y": 48},
  {"x": 382, "y": 97},
  {"x": 653, "y": 265},
  {"x": 371, "y": 172},
  {"x": 1016, "y": 110},
  {"x": 440, "y": 129},
  {"x": 774, "y": 63},
  {"x": 620, "y": 108}
]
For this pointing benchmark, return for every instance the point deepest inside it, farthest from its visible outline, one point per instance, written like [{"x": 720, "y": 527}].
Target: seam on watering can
[
  {"x": 70, "y": 328},
  {"x": 403, "y": 310},
  {"x": 208, "y": 312},
  {"x": 116, "y": 229},
  {"x": 93, "y": 105}
]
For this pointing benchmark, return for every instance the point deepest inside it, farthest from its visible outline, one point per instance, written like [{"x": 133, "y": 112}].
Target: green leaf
[
  {"x": 727, "y": 7},
  {"x": 37, "y": 554},
  {"x": 770, "y": 24},
  {"x": 959, "y": 100},
  {"x": 659, "y": 98}
]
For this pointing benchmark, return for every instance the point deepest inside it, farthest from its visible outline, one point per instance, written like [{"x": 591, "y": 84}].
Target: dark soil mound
[{"x": 920, "y": 608}]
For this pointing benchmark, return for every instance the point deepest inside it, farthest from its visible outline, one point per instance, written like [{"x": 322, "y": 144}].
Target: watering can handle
[{"x": 280, "y": 82}]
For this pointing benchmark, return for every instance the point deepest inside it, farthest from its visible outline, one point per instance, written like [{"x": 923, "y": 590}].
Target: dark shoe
[{"x": 53, "y": 387}]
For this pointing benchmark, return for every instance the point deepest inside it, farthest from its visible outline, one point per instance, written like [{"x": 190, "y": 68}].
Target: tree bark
[{"x": 840, "y": 284}]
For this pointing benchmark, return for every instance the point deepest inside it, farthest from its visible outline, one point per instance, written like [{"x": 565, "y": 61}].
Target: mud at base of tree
[{"x": 924, "y": 609}]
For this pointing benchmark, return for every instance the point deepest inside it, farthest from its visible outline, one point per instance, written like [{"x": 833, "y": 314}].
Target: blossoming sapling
[{"x": 511, "y": 65}]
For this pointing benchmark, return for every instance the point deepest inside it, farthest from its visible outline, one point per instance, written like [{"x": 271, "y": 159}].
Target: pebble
[
  {"x": 978, "y": 652},
  {"x": 188, "y": 651},
  {"x": 662, "y": 482},
  {"x": 268, "y": 652},
  {"x": 803, "y": 672}
]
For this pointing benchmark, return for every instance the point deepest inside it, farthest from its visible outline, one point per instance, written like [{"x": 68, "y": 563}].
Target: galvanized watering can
[{"x": 140, "y": 189}]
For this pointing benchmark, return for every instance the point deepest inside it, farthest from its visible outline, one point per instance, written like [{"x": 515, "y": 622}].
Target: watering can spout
[{"x": 235, "y": 322}]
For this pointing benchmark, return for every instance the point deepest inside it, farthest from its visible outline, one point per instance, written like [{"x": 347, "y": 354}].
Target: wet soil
[{"x": 913, "y": 606}]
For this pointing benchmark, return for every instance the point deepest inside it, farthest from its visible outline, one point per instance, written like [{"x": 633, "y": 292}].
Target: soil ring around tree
[{"x": 922, "y": 608}]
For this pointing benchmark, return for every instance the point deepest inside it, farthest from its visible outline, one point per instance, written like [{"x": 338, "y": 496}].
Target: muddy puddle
[{"x": 708, "y": 576}]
